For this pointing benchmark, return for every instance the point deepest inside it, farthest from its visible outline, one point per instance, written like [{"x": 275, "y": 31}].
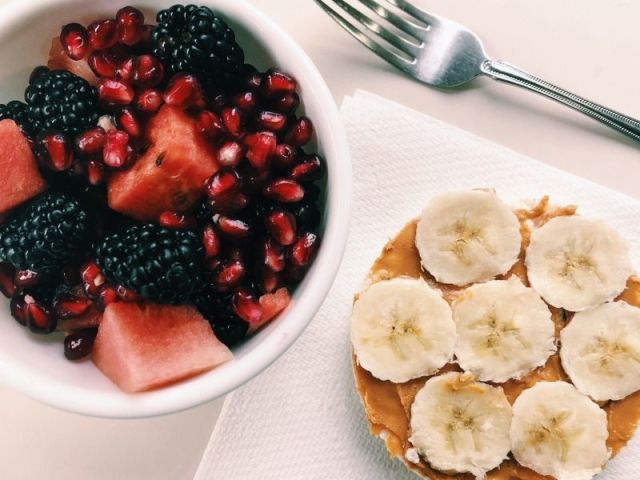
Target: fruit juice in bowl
[{"x": 168, "y": 203}]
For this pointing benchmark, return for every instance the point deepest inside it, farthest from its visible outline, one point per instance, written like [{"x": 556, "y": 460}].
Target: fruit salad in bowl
[{"x": 174, "y": 204}]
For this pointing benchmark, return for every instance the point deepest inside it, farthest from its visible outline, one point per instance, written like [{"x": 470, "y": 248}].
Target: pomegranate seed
[
  {"x": 284, "y": 190},
  {"x": 79, "y": 344},
  {"x": 278, "y": 82},
  {"x": 233, "y": 121},
  {"x": 129, "y": 123},
  {"x": 7, "y": 283},
  {"x": 229, "y": 203},
  {"x": 273, "y": 255},
  {"x": 224, "y": 181},
  {"x": 90, "y": 142},
  {"x": 229, "y": 275},
  {"x": 310, "y": 169},
  {"x": 145, "y": 44},
  {"x": 71, "y": 306},
  {"x": 285, "y": 103},
  {"x": 149, "y": 101},
  {"x": 103, "y": 34},
  {"x": 233, "y": 228},
  {"x": 285, "y": 156},
  {"x": 92, "y": 279},
  {"x": 246, "y": 101},
  {"x": 300, "y": 132},
  {"x": 107, "y": 296},
  {"x": 116, "y": 150},
  {"x": 18, "y": 308},
  {"x": 261, "y": 147},
  {"x": 75, "y": 41},
  {"x": 124, "y": 70},
  {"x": 115, "y": 92},
  {"x": 127, "y": 295},
  {"x": 209, "y": 125},
  {"x": 282, "y": 226},
  {"x": 184, "y": 91},
  {"x": 253, "y": 179},
  {"x": 147, "y": 72},
  {"x": 230, "y": 154},
  {"x": 246, "y": 305},
  {"x": 177, "y": 221},
  {"x": 55, "y": 151},
  {"x": 102, "y": 64},
  {"x": 268, "y": 280},
  {"x": 40, "y": 318},
  {"x": 211, "y": 242},
  {"x": 130, "y": 22},
  {"x": 304, "y": 249},
  {"x": 271, "y": 121},
  {"x": 26, "y": 278},
  {"x": 95, "y": 172}
]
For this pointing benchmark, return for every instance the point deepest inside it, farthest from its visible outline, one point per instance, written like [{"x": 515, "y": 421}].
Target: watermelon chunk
[
  {"x": 59, "y": 60},
  {"x": 171, "y": 175},
  {"x": 145, "y": 346},
  {"x": 272, "y": 305},
  {"x": 21, "y": 179}
]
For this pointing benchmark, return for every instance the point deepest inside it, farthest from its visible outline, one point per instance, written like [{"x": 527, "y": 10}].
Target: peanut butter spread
[{"x": 388, "y": 405}]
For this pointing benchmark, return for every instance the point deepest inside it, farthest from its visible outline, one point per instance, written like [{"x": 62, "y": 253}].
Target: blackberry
[
  {"x": 45, "y": 234},
  {"x": 17, "y": 111},
  {"x": 160, "y": 264},
  {"x": 59, "y": 100},
  {"x": 195, "y": 40},
  {"x": 227, "y": 326}
]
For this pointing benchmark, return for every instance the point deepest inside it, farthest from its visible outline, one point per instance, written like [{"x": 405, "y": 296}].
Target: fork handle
[{"x": 505, "y": 72}]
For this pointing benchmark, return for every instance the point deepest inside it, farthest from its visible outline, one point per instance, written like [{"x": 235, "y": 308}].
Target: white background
[{"x": 589, "y": 46}]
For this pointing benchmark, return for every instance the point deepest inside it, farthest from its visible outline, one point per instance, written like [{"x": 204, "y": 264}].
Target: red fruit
[
  {"x": 18, "y": 308},
  {"x": 271, "y": 121},
  {"x": 246, "y": 101},
  {"x": 116, "y": 151},
  {"x": 104, "y": 63},
  {"x": 267, "y": 279},
  {"x": 184, "y": 91},
  {"x": 103, "y": 34},
  {"x": 128, "y": 122},
  {"x": 7, "y": 284},
  {"x": 95, "y": 172},
  {"x": 130, "y": 23},
  {"x": 284, "y": 190},
  {"x": 145, "y": 44},
  {"x": 26, "y": 278},
  {"x": 127, "y": 295},
  {"x": 107, "y": 296},
  {"x": 272, "y": 305},
  {"x": 40, "y": 317},
  {"x": 230, "y": 154},
  {"x": 92, "y": 279},
  {"x": 278, "y": 82},
  {"x": 261, "y": 147},
  {"x": 75, "y": 40},
  {"x": 55, "y": 151},
  {"x": 177, "y": 221},
  {"x": 149, "y": 101},
  {"x": 310, "y": 169},
  {"x": 71, "y": 306},
  {"x": 223, "y": 182},
  {"x": 285, "y": 103},
  {"x": 147, "y": 71},
  {"x": 90, "y": 142},
  {"x": 210, "y": 125},
  {"x": 273, "y": 255},
  {"x": 282, "y": 226},
  {"x": 304, "y": 249},
  {"x": 253, "y": 179},
  {"x": 59, "y": 60},
  {"x": 124, "y": 70},
  {"x": 285, "y": 156},
  {"x": 78, "y": 344},
  {"x": 232, "y": 120},
  {"x": 233, "y": 228},
  {"x": 115, "y": 92},
  {"x": 246, "y": 305},
  {"x": 211, "y": 242},
  {"x": 300, "y": 132},
  {"x": 229, "y": 275},
  {"x": 228, "y": 204}
]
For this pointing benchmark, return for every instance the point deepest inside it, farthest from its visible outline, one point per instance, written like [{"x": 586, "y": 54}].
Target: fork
[{"x": 443, "y": 53}]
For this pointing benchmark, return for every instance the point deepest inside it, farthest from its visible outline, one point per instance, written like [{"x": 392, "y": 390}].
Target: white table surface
[{"x": 589, "y": 46}]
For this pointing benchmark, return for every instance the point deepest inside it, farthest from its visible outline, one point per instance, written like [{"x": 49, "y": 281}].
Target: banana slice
[
  {"x": 504, "y": 330},
  {"x": 467, "y": 237},
  {"x": 459, "y": 425},
  {"x": 577, "y": 263},
  {"x": 601, "y": 351},
  {"x": 560, "y": 432},
  {"x": 402, "y": 329}
]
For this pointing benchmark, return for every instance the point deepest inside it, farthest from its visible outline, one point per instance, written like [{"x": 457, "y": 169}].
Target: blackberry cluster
[
  {"x": 59, "y": 100},
  {"x": 218, "y": 310},
  {"x": 17, "y": 111},
  {"x": 45, "y": 234},
  {"x": 195, "y": 40},
  {"x": 160, "y": 264}
]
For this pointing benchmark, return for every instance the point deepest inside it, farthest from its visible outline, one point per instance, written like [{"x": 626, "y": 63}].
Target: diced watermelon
[
  {"x": 171, "y": 175},
  {"x": 21, "y": 179},
  {"x": 272, "y": 305},
  {"x": 145, "y": 346},
  {"x": 59, "y": 60}
]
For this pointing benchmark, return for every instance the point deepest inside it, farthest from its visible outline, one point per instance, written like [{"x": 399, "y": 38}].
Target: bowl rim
[{"x": 295, "y": 319}]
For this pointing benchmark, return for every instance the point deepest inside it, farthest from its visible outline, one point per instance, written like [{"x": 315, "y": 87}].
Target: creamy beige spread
[{"x": 388, "y": 405}]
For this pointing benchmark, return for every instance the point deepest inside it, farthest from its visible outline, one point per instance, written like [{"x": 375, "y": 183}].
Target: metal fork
[{"x": 443, "y": 53}]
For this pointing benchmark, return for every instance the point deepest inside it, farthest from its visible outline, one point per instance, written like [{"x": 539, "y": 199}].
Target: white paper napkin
[{"x": 301, "y": 419}]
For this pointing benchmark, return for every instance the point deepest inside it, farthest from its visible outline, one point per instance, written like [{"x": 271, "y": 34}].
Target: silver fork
[{"x": 443, "y": 53}]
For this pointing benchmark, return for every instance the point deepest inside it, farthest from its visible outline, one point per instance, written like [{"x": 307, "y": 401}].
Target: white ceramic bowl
[{"x": 36, "y": 365}]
